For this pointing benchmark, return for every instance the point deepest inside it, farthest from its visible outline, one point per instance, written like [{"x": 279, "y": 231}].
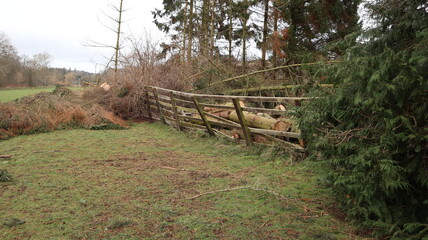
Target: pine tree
[{"x": 314, "y": 24}]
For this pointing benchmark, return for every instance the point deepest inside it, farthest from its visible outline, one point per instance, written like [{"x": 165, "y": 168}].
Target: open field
[
  {"x": 7, "y": 95},
  {"x": 137, "y": 183}
]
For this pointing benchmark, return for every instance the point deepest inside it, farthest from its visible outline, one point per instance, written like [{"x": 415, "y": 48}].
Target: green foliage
[
  {"x": 5, "y": 176},
  {"x": 123, "y": 92},
  {"x": 11, "y": 222},
  {"x": 315, "y": 24},
  {"x": 62, "y": 91},
  {"x": 371, "y": 131}
]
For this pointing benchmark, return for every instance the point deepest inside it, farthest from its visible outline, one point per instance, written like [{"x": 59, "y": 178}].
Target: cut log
[
  {"x": 280, "y": 107},
  {"x": 263, "y": 121},
  {"x": 219, "y": 112},
  {"x": 222, "y": 114},
  {"x": 294, "y": 126},
  {"x": 105, "y": 86}
]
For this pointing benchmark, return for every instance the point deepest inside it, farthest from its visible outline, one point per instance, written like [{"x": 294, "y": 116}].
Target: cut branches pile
[{"x": 60, "y": 109}]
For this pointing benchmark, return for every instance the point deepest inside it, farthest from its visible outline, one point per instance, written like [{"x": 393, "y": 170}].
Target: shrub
[{"x": 5, "y": 176}]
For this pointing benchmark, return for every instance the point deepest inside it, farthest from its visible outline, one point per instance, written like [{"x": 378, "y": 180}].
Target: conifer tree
[
  {"x": 371, "y": 132},
  {"x": 314, "y": 24}
]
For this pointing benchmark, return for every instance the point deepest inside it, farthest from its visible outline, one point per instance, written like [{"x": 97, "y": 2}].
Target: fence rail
[{"x": 183, "y": 110}]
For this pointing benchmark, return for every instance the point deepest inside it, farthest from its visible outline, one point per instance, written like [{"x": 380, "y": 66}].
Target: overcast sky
[{"x": 61, "y": 27}]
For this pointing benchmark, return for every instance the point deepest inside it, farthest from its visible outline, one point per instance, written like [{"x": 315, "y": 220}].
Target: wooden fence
[{"x": 186, "y": 111}]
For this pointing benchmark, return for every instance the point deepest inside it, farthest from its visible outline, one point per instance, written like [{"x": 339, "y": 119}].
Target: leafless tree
[{"x": 115, "y": 27}]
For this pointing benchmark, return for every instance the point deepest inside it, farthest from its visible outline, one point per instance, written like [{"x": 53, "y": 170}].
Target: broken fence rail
[{"x": 181, "y": 110}]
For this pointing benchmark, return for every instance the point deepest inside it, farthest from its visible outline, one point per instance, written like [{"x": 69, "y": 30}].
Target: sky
[{"x": 62, "y": 27}]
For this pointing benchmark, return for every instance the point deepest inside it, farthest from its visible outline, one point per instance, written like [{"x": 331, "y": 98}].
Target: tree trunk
[
  {"x": 183, "y": 49},
  {"x": 275, "y": 30},
  {"x": 230, "y": 30},
  {"x": 244, "y": 46},
  {"x": 212, "y": 31},
  {"x": 265, "y": 32},
  {"x": 117, "y": 48},
  {"x": 204, "y": 27},
  {"x": 245, "y": 17},
  {"x": 190, "y": 29},
  {"x": 263, "y": 121}
]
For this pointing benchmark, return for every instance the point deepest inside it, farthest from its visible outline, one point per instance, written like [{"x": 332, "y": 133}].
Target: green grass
[
  {"x": 7, "y": 95},
  {"x": 136, "y": 184}
]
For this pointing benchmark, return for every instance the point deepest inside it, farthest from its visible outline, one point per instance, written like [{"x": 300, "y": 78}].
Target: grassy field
[
  {"x": 7, "y": 95},
  {"x": 138, "y": 184}
]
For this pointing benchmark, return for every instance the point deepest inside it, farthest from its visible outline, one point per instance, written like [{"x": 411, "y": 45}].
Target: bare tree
[
  {"x": 119, "y": 24},
  {"x": 117, "y": 21},
  {"x": 37, "y": 69},
  {"x": 9, "y": 60}
]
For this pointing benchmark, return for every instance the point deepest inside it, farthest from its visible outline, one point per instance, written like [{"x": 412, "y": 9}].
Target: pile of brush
[{"x": 61, "y": 109}]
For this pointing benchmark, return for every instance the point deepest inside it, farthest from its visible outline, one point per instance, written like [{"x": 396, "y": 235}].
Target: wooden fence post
[
  {"x": 204, "y": 118},
  {"x": 174, "y": 108},
  {"x": 242, "y": 121},
  {"x": 149, "y": 111},
  {"x": 155, "y": 93}
]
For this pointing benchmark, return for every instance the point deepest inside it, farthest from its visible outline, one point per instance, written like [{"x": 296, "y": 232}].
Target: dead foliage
[{"x": 60, "y": 109}]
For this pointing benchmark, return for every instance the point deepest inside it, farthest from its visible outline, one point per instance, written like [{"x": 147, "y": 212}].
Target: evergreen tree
[
  {"x": 314, "y": 24},
  {"x": 371, "y": 132}
]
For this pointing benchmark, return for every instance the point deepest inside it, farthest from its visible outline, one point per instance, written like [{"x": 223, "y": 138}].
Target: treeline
[
  {"x": 17, "y": 71},
  {"x": 290, "y": 31}
]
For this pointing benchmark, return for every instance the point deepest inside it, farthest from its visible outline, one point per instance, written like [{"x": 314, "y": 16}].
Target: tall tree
[
  {"x": 185, "y": 32},
  {"x": 116, "y": 28},
  {"x": 204, "y": 30},
  {"x": 230, "y": 29},
  {"x": 118, "y": 34},
  {"x": 314, "y": 24},
  {"x": 9, "y": 61},
  {"x": 265, "y": 32},
  {"x": 190, "y": 31}
]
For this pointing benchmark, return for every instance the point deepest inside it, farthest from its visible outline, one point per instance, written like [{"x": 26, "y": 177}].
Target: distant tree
[
  {"x": 37, "y": 69},
  {"x": 9, "y": 61}
]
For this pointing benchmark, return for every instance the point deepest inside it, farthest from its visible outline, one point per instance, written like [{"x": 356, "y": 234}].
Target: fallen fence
[{"x": 183, "y": 110}]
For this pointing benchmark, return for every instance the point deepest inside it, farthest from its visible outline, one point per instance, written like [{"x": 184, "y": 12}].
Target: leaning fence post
[
  {"x": 155, "y": 93},
  {"x": 204, "y": 118},
  {"x": 242, "y": 121},
  {"x": 149, "y": 111},
  {"x": 174, "y": 108}
]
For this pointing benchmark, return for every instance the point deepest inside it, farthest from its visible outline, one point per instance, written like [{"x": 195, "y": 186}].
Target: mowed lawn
[
  {"x": 148, "y": 182},
  {"x": 7, "y": 95}
]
